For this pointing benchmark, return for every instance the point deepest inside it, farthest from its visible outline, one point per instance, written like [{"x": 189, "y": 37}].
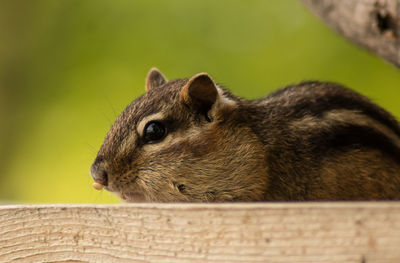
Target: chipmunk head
[{"x": 181, "y": 141}]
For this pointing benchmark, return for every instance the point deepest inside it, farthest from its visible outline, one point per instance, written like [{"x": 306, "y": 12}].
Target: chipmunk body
[{"x": 191, "y": 140}]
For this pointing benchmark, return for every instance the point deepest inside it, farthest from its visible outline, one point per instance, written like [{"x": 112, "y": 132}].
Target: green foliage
[{"x": 69, "y": 67}]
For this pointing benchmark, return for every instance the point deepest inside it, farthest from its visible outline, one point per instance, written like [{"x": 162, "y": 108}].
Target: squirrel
[{"x": 193, "y": 140}]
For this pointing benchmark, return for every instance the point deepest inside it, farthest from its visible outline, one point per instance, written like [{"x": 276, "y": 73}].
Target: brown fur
[{"x": 313, "y": 141}]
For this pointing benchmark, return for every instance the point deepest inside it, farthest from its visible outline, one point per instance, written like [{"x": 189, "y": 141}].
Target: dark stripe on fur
[
  {"x": 325, "y": 97},
  {"x": 355, "y": 137}
]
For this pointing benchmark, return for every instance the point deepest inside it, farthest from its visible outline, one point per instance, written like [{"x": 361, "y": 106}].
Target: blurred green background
[{"x": 69, "y": 67}]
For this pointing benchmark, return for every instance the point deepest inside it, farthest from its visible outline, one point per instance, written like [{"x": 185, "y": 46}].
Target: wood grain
[
  {"x": 374, "y": 24},
  {"x": 253, "y": 232}
]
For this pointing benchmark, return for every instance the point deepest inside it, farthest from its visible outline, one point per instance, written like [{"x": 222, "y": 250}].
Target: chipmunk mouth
[
  {"x": 131, "y": 197},
  {"x": 126, "y": 197},
  {"x": 99, "y": 186}
]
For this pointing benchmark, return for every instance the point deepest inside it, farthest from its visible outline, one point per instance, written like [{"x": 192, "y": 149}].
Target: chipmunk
[{"x": 193, "y": 140}]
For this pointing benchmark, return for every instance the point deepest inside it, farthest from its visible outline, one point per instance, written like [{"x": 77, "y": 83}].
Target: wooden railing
[{"x": 253, "y": 232}]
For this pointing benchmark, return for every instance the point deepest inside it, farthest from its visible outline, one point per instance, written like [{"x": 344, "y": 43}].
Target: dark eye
[{"x": 153, "y": 132}]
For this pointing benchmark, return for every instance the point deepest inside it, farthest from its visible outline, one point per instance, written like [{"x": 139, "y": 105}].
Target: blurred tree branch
[{"x": 373, "y": 24}]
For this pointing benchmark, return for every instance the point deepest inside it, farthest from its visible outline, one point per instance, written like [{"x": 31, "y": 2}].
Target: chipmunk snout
[{"x": 98, "y": 172}]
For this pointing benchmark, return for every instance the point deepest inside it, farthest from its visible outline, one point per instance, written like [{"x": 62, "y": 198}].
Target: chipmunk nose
[{"x": 98, "y": 172}]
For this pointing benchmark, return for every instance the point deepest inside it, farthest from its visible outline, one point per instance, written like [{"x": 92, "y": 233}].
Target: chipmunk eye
[{"x": 154, "y": 131}]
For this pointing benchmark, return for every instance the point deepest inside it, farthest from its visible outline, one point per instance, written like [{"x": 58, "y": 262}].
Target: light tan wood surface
[{"x": 253, "y": 232}]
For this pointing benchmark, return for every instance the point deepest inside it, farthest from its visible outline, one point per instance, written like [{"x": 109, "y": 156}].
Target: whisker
[
  {"x": 112, "y": 107},
  {"x": 91, "y": 147}
]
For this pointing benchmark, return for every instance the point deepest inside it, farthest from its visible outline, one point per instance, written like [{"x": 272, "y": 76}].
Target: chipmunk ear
[
  {"x": 199, "y": 93},
  {"x": 154, "y": 79}
]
